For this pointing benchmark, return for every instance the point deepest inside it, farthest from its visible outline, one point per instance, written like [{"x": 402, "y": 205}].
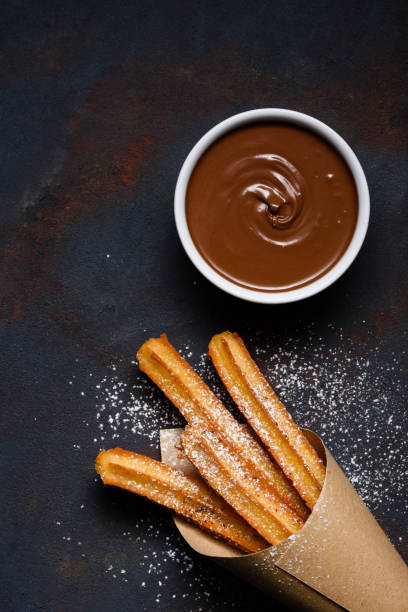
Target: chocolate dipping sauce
[{"x": 271, "y": 206}]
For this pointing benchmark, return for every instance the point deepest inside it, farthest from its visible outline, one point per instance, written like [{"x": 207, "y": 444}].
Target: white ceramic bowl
[{"x": 287, "y": 116}]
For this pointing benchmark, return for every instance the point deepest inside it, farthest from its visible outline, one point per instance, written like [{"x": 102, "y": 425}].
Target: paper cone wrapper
[{"x": 341, "y": 558}]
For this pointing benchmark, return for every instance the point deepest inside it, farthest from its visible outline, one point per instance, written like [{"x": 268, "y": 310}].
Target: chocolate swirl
[
  {"x": 280, "y": 190},
  {"x": 265, "y": 193}
]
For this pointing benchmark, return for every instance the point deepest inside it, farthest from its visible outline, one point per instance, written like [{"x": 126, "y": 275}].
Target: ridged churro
[
  {"x": 198, "y": 404},
  {"x": 188, "y": 496},
  {"x": 257, "y": 488},
  {"x": 268, "y": 417},
  {"x": 220, "y": 480}
]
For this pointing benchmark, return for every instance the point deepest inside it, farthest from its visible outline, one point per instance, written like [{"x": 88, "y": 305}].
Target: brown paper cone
[{"x": 341, "y": 558}]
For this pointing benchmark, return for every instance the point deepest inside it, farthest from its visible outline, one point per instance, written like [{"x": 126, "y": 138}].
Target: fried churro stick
[
  {"x": 219, "y": 479},
  {"x": 198, "y": 404},
  {"x": 256, "y": 488},
  {"x": 188, "y": 496},
  {"x": 267, "y": 415},
  {"x": 276, "y": 478}
]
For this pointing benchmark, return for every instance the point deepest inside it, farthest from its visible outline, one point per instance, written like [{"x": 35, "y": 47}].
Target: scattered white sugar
[
  {"x": 350, "y": 394},
  {"x": 342, "y": 391},
  {"x": 347, "y": 399},
  {"x": 133, "y": 406}
]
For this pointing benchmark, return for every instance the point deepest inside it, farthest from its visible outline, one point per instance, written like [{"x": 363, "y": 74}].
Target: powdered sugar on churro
[
  {"x": 351, "y": 395},
  {"x": 352, "y": 402},
  {"x": 331, "y": 389}
]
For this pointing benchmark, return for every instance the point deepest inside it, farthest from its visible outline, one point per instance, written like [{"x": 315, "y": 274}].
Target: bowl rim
[{"x": 287, "y": 116}]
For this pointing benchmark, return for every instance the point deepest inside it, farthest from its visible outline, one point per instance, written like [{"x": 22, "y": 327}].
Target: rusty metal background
[{"x": 100, "y": 102}]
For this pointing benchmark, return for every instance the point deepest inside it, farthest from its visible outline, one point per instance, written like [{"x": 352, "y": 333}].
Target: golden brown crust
[
  {"x": 220, "y": 480},
  {"x": 198, "y": 404},
  {"x": 267, "y": 415},
  {"x": 255, "y": 487},
  {"x": 188, "y": 496},
  {"x": 281, "y": 485}
]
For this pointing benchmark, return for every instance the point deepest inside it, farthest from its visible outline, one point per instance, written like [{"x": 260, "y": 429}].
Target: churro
[
  {"x": 200, "y": 407},
  {"x": 268, "y": 417},
  {"x": 257, "y": 488},
  {"x": 220, "y": 480},
  {"x": 188, "y": 496}
]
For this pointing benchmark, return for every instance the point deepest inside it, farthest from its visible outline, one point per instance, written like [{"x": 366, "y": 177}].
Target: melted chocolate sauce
[{"x": 271, "y": 206}]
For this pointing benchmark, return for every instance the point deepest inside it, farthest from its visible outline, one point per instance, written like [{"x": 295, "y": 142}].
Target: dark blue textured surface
[{"x": 100, "y": 102}]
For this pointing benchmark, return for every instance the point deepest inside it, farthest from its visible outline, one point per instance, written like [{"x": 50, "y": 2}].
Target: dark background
[{"x": 100, "y": 102}]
